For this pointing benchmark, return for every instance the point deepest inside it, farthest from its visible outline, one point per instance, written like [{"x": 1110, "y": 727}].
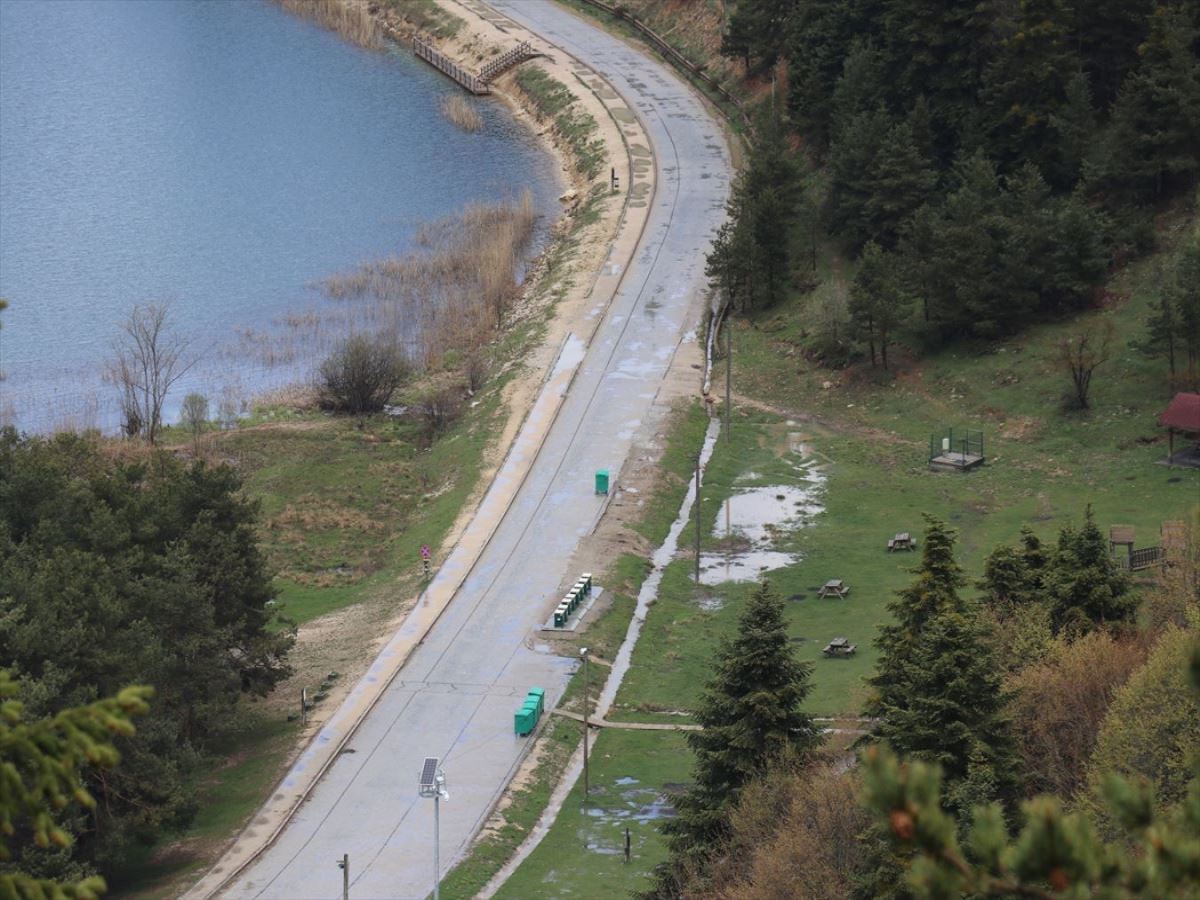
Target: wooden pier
[
  {"x": 476, "y": 84},
  {"x": 449, "y": 68}
]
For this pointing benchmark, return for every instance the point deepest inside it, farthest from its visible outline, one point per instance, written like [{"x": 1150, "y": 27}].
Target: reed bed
[
  {"x": 462, "y": 112},
  {"x": 349, "y": 18},
  {"x": 452, "y": 293},
  {"x": 446, "y": 298}
]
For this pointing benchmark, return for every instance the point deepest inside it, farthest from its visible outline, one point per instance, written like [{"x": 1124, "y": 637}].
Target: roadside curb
[{"x": 327, "y": 745}]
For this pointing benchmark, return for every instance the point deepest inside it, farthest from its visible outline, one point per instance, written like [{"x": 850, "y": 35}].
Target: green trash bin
[
  {"x": 530, "y": 708},
  {"x": 602, "y": 481},
  {"x": 539, "y": 694}
]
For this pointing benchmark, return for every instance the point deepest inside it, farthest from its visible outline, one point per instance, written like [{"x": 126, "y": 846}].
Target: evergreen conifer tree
[
  {"x": 934, "y": 591},
  {"x": 1025, "y": 88},
  {"x": 1084, "y": 583},
  {"x": 1156, "y": 118},
  {"x": 751, "y": 715},
  {"x": 878, "y": 301},
  {"x": 937, "y": 688}
]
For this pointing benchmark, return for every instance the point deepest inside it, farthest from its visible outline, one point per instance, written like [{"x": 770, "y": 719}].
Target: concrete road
[{"x": 456, "y": 696}]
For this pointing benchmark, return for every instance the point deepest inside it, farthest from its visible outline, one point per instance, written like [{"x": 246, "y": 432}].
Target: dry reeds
[
  {"x": 439, "y": 304},
  {"x": 453, "y": 293},
  {"x": 351, "y": 19},
  {"x": 462, "y": 112}
]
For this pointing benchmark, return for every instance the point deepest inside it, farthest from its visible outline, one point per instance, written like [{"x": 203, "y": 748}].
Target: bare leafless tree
[
  {"x": 1081, "y": 354},
  {"x": 148, "y": 359}
]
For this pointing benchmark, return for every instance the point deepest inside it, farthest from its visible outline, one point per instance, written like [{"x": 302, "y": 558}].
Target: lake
[{"x": 221, "y": 157}]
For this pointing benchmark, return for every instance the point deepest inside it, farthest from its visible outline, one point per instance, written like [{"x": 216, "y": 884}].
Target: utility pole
[
  {"x": 583, "y": 651},
  {"x": 697, "y": 518},
  {"x": 344, "y": 865},
  {"x": 728, "y": 376}
]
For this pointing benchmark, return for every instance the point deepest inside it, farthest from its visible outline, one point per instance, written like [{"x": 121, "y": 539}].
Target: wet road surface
[{"x": 456, "y": 696}]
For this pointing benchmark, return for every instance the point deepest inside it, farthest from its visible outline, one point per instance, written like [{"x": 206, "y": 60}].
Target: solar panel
[{"x": 429, "y": 773}]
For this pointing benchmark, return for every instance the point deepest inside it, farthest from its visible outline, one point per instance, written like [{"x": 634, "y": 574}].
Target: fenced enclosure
[{"x": 955, "y": 448}]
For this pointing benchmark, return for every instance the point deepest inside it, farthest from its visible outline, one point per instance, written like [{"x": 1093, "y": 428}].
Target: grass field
[
  {"x": 583, "y": 855},
  {"x": 870, "y": 438}
]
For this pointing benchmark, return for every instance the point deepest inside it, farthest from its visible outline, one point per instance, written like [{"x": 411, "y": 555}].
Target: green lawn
[
  {"x": 583, "y": 855},
  {"x": 870, "y": 437}
]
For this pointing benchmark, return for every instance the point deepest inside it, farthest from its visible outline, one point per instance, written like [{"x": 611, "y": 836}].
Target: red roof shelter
[{"x": 1182, "y": 416}]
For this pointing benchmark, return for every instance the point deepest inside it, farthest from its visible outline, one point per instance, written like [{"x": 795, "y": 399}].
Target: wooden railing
[
  {"x": 450, "y": 68},
  {"x": 1142, "y": 559},
  {"x": 676, "y": 58},
  {"x": 506, "y": 61}
]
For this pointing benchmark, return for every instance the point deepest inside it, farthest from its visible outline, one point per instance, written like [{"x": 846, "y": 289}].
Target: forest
[
  {"x": 986, "y": 165},
  {"x": 118, "y": 572}
]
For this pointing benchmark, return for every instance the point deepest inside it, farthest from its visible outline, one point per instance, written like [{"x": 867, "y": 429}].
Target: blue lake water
[{"x": 218, "y": 156}]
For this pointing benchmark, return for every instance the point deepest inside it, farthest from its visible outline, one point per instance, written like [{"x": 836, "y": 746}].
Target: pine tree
[
  {"x": 1183, "y": 295},
  {"x": 1025, "y": 88},
  {"x": 851, "y": 163},
  {"x": 751, "y": 715},
  {"x": 1056, "y": 854},
  {"x": 934, "y": 591},
  {"x": 1109, "y": 33},
  {"x": 1156, "y": 118},
  {"x": 937, "y": 690},
  {"x": 975, "y": 276},
  {"x": 1075, "y": 129},
  {"x": 938, "y": 50},
  {"x": 819, "y": 50},
  {"x": 1083, "y": 581},
  {"x": 878, "y": 301},
  {"x": 880, "y": 178},
  {"x": 40, "y": 776},
  {"x": 756, "y": 32}
]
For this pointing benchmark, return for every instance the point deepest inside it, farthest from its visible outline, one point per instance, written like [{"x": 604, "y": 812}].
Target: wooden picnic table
[
  {"x": 902, "y": 541},
  {"x": 839, "y": 646},
  {"x": 833, "y": 588}
]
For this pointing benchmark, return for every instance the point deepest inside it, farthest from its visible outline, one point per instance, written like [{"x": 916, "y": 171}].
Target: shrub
[
  {"x": 360, "y": 376},
  {"x": 1059, "y": 705}
]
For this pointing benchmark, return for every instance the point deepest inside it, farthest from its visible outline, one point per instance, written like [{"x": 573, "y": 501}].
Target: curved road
[{"x": 456, "y": 695}]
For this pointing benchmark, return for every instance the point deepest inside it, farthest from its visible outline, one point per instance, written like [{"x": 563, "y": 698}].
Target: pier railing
[
  {"x": 506, "y": 60},
  {"x": 450, "y": 68}
]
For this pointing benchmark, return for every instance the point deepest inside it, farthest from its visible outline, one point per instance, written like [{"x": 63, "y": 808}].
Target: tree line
[
  {"x": 1036, "y": 741},
  {"x": 985, "y": 163},
  {"x": 119, "y": 570}
]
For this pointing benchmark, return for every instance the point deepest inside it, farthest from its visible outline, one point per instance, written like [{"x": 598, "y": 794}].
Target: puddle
[
  {"x": 626, "y": 780},
  {"x": 752, "y": 518}
]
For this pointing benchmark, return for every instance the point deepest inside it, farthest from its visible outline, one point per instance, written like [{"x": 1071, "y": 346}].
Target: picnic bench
[
  {"x": 902, "y": 541},
  {"x": 839, "y": 646},
  {"x": 833, "y": 588}
]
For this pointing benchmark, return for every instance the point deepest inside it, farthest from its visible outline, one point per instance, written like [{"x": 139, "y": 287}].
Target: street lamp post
[{"x": 433, "y": 785}]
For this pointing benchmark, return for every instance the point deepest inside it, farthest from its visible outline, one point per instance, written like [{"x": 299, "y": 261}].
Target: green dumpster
[
  {"x": 540, "y": 695},
  {"x": 560, "y": 615},
  {"x": 586, "y": 578},
  {"x": 602, "y": 481}
]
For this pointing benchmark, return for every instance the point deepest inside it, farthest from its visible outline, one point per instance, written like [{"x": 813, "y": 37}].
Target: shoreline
[{"x": 566, "y": 296}]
